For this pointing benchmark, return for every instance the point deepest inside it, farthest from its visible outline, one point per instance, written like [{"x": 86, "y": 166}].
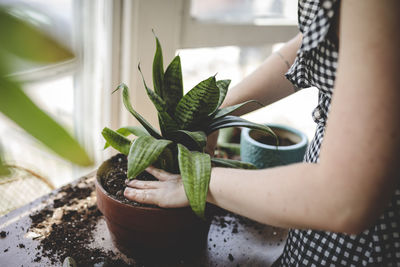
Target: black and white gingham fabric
[{"x": 315, "y": 65}]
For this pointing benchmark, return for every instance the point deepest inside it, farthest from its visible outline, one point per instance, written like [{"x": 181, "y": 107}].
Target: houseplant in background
[
  {"x": 21, "y": 41},
  {"x": 228, "y": 145},
  {"x": 261, "y": 150},
  {"x": 185, "y": 121}
]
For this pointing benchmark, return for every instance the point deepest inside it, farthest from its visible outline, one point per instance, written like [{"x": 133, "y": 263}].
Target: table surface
[{"x": 239, "y": 242}]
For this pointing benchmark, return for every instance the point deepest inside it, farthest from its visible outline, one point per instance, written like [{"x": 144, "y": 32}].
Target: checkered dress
[{"x": 316, "y": 65}]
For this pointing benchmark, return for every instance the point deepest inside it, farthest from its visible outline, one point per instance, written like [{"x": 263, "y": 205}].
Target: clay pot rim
[
  {"x": 303, "y": 142},
  {"x": 108, "y": 195},
  {"x": 98, "y": 183}
]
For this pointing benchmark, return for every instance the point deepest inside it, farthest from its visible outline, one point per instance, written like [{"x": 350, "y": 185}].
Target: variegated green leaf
[
  {"x": 135, "y": 130},
  {"x": 223, "y": 86},
  {"x": 233, "y": 121},
  {"x": 173, "y": 85},
  {"x": 229, "y": 110},
  {"x": 198, "y": 103},
  {"x": 127, "y": 102},
  {"x": 144, "y": 151},
  {"x": 167, "y": 123},
  {"x": 168, "y": 159},
  {"x": 230, "y": 163},
  {"x": 128, "y": 130},
  {"x": 195, "y": 169},
  {"x": 158, "y": 102},
  {"x": 158, "y": 69},
  {"x": 117, "y": 140},
  {"x": 192, "y": 140}
]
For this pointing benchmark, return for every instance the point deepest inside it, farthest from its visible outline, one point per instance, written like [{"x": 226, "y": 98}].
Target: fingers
[
  {"x": 143, "y": 184},
  {"x": 161, "y": 174},
  {"x": 146, "y": 196}
]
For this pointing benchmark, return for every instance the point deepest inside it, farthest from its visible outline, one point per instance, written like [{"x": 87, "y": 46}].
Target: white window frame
[{"x": 114, "y": 36}]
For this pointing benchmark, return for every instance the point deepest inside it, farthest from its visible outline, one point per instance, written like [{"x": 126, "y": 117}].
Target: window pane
[
  {"x": 56, "y": 97},
  {"x": 244, "y": 11},
  {"x": 51, "y": 89},
  {"x": 53, "y": 17}
]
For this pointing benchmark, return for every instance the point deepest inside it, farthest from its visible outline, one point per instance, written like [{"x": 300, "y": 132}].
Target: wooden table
[{"x": 238, "y": 242}]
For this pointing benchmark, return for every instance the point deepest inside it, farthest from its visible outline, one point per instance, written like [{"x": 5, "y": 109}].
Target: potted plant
[
  {"x": 185, "y": 121},
  {"x": 228, "y": 145},
  {"x": 263, "y": 151}
]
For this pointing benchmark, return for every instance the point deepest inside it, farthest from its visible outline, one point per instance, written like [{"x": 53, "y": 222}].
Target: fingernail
[
  {"x": 129, "y": 191},
  {"x": 127, "y": 181}
]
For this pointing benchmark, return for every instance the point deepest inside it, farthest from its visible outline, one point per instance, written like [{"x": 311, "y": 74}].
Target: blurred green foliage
[{"x": 21, "y": 40}]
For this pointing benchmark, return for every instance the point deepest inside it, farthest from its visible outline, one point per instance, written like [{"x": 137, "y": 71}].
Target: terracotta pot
[{"x": 146, "y": 231}]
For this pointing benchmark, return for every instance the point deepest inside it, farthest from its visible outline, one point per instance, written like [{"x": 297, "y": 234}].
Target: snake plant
[{"x": 185, "y": 121}]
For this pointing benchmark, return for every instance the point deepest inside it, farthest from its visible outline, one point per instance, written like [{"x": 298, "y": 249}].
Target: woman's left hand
[{"x": 168, "y": 192}]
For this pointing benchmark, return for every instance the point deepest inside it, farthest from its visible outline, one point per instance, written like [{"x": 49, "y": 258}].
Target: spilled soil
[{"x": 65, "y": 228}]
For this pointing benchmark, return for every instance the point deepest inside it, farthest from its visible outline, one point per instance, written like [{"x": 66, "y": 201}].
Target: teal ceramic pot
[{"x": 264, "y": 156}]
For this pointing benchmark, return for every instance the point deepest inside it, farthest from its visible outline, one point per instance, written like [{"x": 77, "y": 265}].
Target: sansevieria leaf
[
  {"x": 229, "y": 110},
  {"x": 195, "y": 168},
  {"x": 223, "y": 86},
  {"x": 144, "y": 151},
  {"x": 193, "y": 140},
  {"x": 230, "y": 163},
  {"x": 128, "y": 130},
  {"x": 117, "y": 140},
  {"x": 135, "y": 130},
  {"x": 158, "y": 102},
  {"x": 158, "y": 69},
  {"x": 167, "y": 123},
  {"x": 16, "y": 105},
  {"x": 127, "y": 102},
  {"x": 168, "y": 159},
  {"x": 198, "y": 103},
  {"x": 173, "y": 85},
  {"x": 233, "y": 121}
]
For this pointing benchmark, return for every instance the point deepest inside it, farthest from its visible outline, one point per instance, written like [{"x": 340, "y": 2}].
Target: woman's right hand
[{"x": 212, "y": 143}]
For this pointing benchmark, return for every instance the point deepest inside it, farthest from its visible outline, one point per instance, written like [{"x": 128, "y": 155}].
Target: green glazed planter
[
  {"x": 265, "y": 156},
  {"x": 229, "y": 140}
]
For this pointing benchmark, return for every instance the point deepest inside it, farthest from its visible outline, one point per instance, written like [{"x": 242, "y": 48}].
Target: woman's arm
[
  {"x": 267, "y": 83},
  {"x": 358, "y": 169}
]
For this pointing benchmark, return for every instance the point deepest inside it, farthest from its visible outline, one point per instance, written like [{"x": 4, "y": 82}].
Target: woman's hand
[{"x": 168, "y": 192}]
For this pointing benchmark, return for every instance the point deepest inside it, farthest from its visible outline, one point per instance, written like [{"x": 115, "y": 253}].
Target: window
[
  {"x": 110, "y": 38},
  {"x": 76, "y": 93},
  {"x": 239, "y": 11}
]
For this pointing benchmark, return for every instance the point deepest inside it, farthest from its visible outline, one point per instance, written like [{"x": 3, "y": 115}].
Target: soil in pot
[
  {"x": 285, "y": 138},
  {"x": 269, "y": 140},
  {"x": 114, "y": 180}
]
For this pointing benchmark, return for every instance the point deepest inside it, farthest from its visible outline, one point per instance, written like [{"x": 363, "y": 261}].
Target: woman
[{"x": 347, "y": 190}]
